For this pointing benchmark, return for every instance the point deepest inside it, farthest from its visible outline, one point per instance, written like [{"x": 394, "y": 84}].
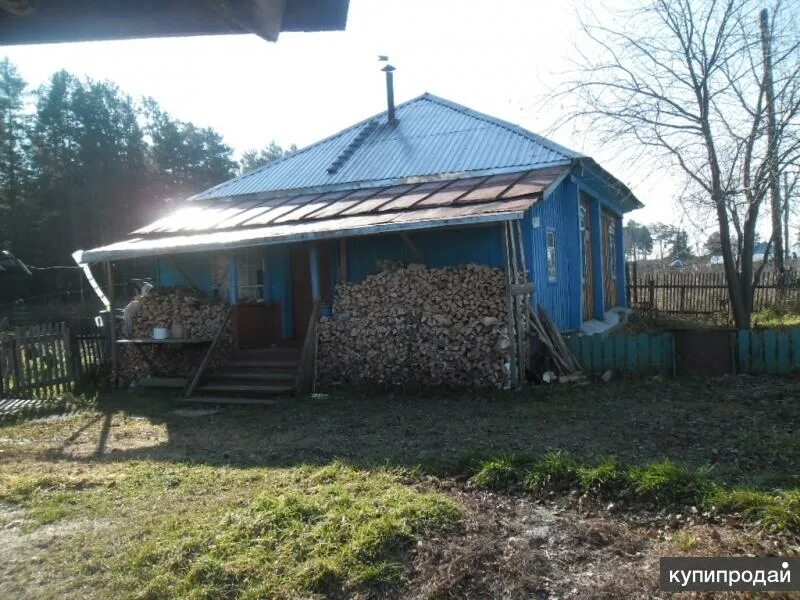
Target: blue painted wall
[
  {"x": 561, "y": 297},
  {"x": 196, "y": 266},
  {"x": 478, "y": 244},
  {"x": 444, "y": 248}
]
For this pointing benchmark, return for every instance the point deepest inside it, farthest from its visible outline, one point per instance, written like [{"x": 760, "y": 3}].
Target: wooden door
[
  {"x": 587, "y": 274},
  {"x": 610, "y": 241},
  {"x": 301, "y": 289},
  {"x": 302, "y": 300}
]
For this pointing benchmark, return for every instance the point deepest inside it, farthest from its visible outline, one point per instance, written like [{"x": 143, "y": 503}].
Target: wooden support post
[
  {"x": 112, "y": 326},
  {"x": 513, "y": 375},
  {"x": 343, "y": 260},
  {"x": 598, "y": 282},
  {"x": 233, "y": 270},
  {"x": 313, "y": 261}
]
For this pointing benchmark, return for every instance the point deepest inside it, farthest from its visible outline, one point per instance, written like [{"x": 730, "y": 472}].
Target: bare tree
[{"x": 685, "y": 79}]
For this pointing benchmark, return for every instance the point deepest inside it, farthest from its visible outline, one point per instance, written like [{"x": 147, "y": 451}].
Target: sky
[{"x": 501, "y": 57}]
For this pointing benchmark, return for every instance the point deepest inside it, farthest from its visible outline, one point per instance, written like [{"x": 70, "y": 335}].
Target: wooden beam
[
  {"x": 343, "y": 260},
  {"x": 233, "y": 271},
  {"x": 313, "y": 263},
  {"x": 112, "y": 326}
]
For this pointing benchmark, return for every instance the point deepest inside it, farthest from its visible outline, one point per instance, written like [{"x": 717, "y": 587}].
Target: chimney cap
[{"x": 388, "y": 69}]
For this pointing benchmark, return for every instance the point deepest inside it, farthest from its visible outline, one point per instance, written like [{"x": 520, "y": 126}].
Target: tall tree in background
[
  {"x": 686, "y": 80},
  {"x": 638, "y": 240},
  {"x": 252, "y": 159},
  {"x": 713, "y": 245},
  {"x": 185, "y": 159},
  {"x": 679, "y": 247},
  {"x": 14, "y": 165}
]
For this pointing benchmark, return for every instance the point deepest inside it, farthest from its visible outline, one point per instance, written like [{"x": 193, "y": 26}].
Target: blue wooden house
[{"x": 428, "y": 178}]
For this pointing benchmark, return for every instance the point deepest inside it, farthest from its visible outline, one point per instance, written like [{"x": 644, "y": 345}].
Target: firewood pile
[
  {"x": 410, "y": 326},
  {"x": 185, "y": 314}
]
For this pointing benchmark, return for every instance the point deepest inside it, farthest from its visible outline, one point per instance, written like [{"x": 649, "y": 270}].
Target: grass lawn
[{"x": 394, "y": 496}]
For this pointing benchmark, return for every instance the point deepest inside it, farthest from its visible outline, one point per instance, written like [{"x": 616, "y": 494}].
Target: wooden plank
[
  {"x": 795, "y": 351},
  {"x": 743, "y": 342},
  {"x": 771, "y": 351},
  {"x": 586, "y": 353},
  {"x": 207, "y": 356},
  {"x": 657, "y": 354},
  {"x": 608, "y": 353},
  {"x": 620, "y": 352},
  {"x": 644, "y": 358},
  {"x": 756, "y": 352},
  {"x": 597, "y": 352},
  {"x": 784, "y": 360},
  {"x": 631, "y": 362}
]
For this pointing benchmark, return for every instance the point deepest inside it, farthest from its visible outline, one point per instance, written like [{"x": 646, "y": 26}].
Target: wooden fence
[
  {"x": 631, "y": 354},
  {"x": 46, "y": 360},
  {"x": 701, "y": 294},
  {"x": 757, "y": 351}
]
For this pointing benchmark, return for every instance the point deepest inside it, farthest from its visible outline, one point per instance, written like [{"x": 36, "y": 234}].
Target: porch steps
[
  {"x": 229, "y": 400},
  {"x": 251, "y": 376},
  {"x": 244, "y": 388}
]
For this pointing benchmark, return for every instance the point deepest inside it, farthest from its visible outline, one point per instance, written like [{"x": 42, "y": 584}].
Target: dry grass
[{"x": 133, "y": 499}]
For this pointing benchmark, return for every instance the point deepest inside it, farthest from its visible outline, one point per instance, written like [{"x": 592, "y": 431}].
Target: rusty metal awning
[{"x": 222, "y": 224}]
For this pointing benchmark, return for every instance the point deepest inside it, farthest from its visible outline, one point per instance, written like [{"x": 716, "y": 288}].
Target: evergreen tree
[
  {"x": 14, "y": 147},
  {"x": 252, "y": 159}
]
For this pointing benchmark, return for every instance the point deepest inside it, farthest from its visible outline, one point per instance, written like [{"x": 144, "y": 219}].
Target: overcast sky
[{"x": 498, "y": 57}]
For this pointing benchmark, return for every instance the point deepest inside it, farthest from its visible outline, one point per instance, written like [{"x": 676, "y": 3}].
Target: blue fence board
[{"x": 768, "y": 351}]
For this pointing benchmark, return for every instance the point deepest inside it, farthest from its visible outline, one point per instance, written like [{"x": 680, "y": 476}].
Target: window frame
[{"x": 551, "y": 255}]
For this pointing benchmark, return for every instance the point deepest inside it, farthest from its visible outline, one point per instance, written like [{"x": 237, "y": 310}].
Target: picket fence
[{"x": 49, "y": 359}]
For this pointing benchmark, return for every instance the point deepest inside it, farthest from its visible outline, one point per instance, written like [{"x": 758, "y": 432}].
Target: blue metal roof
[{"x": 432, "y": 138}]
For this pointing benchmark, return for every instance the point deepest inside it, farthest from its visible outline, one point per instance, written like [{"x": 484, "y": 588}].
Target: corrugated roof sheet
[
  {"x": 211, "y": 225},
  {"x": 432, "y": 137},
  {"x": 210, "y": 215}
]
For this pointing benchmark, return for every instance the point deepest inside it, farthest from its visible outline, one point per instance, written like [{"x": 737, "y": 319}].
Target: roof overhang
[
  {"x": 47, "y": 21},
  {"x": 240, "y": 223},
  {"x": 298, "y": 232},
  {"x": 590, "y": 175}
]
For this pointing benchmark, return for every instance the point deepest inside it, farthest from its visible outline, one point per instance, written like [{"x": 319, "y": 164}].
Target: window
[
  {"x": 250, "y": 269},
  {"x": 586, "y": 242},
  {"x": 612, "y": 251},
  {"x": 551, "y": 255}
]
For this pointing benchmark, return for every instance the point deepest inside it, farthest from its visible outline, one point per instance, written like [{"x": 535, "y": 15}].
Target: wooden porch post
[
  {"x": 233, "y": 269},
  {"x": 313, "y": 261},
  {"x": 112, "y": 326},
  {"x": 622, "y": 272},
  {"x": 598, "y": 280}
]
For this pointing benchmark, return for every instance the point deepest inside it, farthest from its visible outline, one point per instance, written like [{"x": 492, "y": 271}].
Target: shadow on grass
[{"x": 746, "y": 430}]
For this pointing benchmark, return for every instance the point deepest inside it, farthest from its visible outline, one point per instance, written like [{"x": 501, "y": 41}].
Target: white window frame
[{"x": 551, "y": 255}]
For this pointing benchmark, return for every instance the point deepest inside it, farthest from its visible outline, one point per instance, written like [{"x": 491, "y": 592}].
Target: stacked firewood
[
  {"x": 184, "y": 314},
  {"x": 408, "y": 326}
]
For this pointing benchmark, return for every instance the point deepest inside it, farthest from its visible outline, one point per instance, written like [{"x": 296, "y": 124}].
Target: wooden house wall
[
  {"x": 442, "y": 248},
  {"x": 558, "y": 213}
]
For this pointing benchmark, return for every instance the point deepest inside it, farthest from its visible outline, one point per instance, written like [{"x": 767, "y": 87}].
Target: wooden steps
[
  {"x": 244, "y": 388},
  {"x": 163, "y": 382},
  {"x": 251, "y": 376},
  {"x": 229, "y": 400}
]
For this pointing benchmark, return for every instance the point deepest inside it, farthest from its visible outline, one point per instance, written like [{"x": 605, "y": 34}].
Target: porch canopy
[{"x": 282, "y": 217}]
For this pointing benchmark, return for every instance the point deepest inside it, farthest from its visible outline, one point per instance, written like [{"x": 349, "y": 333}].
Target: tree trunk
[{"x": 772, "y": 153}]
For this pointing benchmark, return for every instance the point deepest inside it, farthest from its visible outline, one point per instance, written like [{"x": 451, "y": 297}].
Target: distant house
[{"x": 433, "y": 179}]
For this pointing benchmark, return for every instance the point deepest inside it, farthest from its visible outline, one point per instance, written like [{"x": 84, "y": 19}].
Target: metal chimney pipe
[{"x": 389, "y": 70}]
